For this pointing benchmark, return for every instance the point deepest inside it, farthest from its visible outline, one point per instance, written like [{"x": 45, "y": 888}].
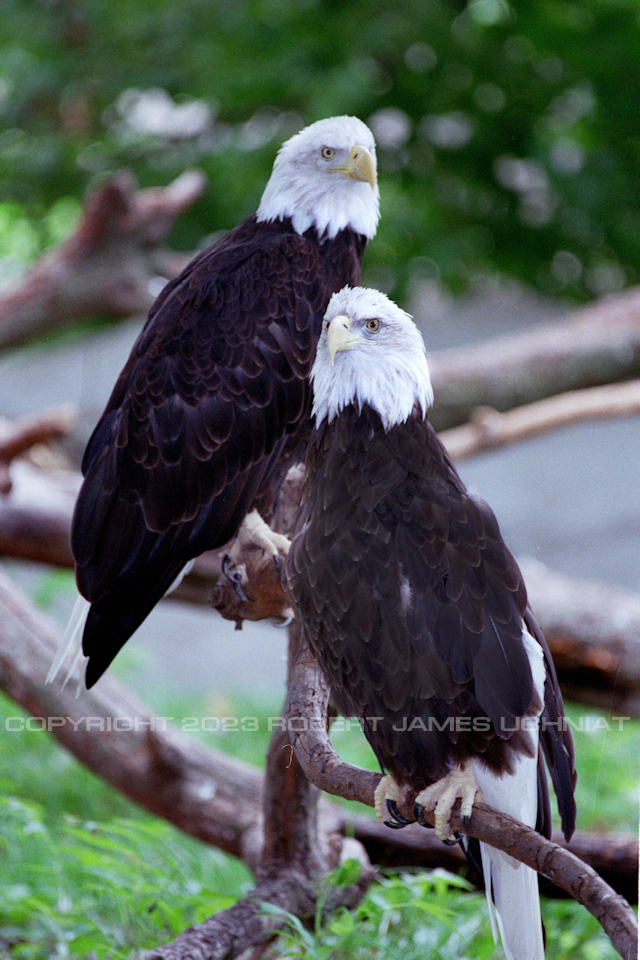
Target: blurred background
[
  {"x": 509, "y": 155},
  {"x": 507, "y": 133}
]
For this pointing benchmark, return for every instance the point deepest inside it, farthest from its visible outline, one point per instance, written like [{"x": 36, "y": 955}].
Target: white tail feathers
[
  {"x": 71, "y": 644},
  {"x": 515, "y": 886}
]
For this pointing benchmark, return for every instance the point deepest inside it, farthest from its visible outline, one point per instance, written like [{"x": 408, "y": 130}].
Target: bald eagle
[
  {"x": 215, "y": 395},
  {"x": 416, "y": 610}
]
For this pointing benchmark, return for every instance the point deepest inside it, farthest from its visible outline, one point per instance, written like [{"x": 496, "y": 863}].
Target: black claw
[
  {"x": 237, "y": 586},
  {"x": 396, "y": 815},
  {"x": 395, "y": 824},
  {"x": 465, "y": 821},
  {"x": 418, "y": 812},
  {"x": 234, "y": 576},
  {"x": 450, "y": 842}
]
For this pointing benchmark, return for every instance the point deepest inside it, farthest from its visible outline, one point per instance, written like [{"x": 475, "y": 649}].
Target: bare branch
[
  {"x": 595, "y": 345},
  {"x": 21, "y": 436},
  {"x": 139, "y": 754},
  {"x": 125, "y": 729},
  {"x": 489, "y": 429},
  {"x": 613, "y": 856},
  {"x": 306, "y": 712},
  {"x": 107, "y": 265},
  {"x": 198, "y": 790},
  {"x": 228, "y": 933}
]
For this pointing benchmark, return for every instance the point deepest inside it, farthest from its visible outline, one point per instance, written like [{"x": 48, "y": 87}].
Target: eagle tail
[
  {"x": 514, "y": 904},
  {"x": 512, "y": 887},
  {"x": 71, "y": 643}
]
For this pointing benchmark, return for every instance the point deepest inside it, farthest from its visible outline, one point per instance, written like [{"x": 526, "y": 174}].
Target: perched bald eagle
[
  {"x": 416, "y": 610},
  {"x": 216, "y": 392}
]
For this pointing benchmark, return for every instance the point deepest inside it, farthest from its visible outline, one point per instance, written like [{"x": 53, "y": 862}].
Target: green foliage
[
  {"x": 410, "y": 916},
  {"x": 507, "y": 132},
  {"x": 76, "y": 889},
  {"x": 85, "y": 873}
]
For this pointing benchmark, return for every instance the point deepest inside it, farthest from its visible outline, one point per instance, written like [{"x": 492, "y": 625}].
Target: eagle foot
[
  {"x": 251, "y": 586},
  {"x": 441, "y": 797},
  {"x": 255, "y": 534}
]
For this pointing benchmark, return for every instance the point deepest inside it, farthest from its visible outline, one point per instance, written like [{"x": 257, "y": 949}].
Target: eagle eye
[
  {"x": 328, "y": 153},
  {"x": 373, "y": 325}
]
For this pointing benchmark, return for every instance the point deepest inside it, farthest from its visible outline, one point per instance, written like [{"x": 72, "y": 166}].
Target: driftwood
[
  {"x": 306, "y": 711},
  {"x": 220, "y": 800},
  {"x": 598, "y": 344},
  {"x": 108, "y": 266}
]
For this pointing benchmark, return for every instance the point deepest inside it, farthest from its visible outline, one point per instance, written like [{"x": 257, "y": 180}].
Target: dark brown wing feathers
[{"x": 215, "y": 386}]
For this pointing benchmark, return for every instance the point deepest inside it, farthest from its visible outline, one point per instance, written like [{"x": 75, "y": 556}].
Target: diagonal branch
[
  {"x": 488, "y": 429},
  {"x": 108, "y": 265},
  {"x": 306, "y": 713},
  {"x": 598, "y": 344}
]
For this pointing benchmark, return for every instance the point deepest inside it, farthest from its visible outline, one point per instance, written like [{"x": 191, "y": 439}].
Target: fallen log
[{"x": 595, "y": 345}]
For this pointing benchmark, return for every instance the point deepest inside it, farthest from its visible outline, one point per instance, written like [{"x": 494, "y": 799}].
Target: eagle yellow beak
[
  {"x": 359, "y": 166},
  {"x": 339, "y": 336}
]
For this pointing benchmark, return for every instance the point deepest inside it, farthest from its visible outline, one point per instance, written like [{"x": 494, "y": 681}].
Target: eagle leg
[
  {"x": 386, "y": 797},
  {"x": 440, "y": 798}
]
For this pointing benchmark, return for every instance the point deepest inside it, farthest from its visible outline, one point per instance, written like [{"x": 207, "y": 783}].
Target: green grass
[{"x": 86, "y": 874}]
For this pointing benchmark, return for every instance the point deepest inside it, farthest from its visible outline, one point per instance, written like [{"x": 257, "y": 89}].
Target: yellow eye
[
  {"x": 373, "y": 325},
  {"x": 328, "y": 153}
]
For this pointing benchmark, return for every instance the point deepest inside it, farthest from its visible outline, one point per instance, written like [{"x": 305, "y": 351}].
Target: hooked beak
[
  {"x": 339, "y": 336},
  {"x": 360, "y": 166}
]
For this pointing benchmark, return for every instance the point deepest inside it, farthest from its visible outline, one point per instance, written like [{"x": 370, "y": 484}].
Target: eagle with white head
[
  {"x": 215, "y": 399},
  {"x": 417, "y": 611}
]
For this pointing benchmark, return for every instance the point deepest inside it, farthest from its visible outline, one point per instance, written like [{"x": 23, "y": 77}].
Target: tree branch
[
  {"x": 488, "y": 429},
  {"x": 593, "y": 629},
  {"x": 107, "y": 266},
  {"x": 595, "y": 345},
  {"x": 306, "y": 712},
  {"x": 198, "y": 790}
]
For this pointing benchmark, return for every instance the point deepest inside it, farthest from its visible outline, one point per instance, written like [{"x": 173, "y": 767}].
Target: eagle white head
[
  {"x": 325, "y": 177},
  {"x": 370, "y": 352}
]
